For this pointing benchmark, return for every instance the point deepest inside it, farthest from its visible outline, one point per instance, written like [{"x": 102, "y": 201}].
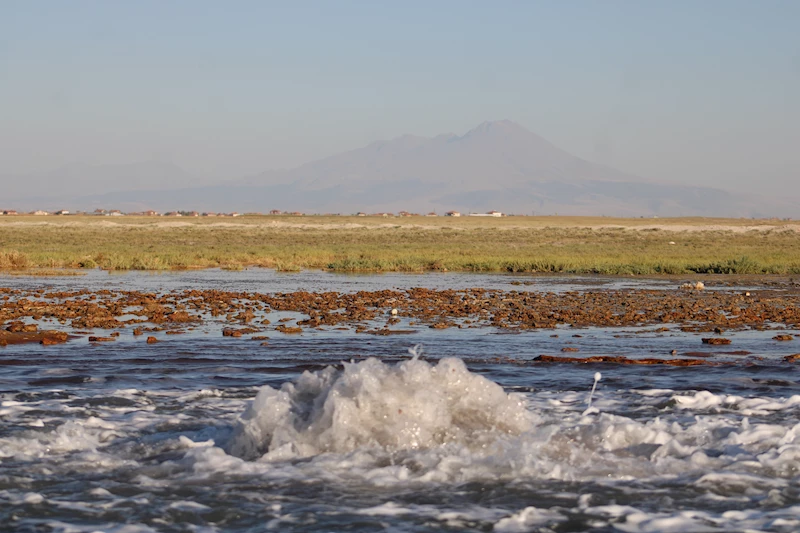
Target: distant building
[
  {"x": 172, "y": 214},
  {"x": 432, "y": 214},
  {"x": 10, "y": 212},
  {"x": 276, "y": 212},
  {"x": 62, "y": 212},
  {"x": 452, "y": 214},
  {"x": 209, "y": 214},
  {"x": 489, "y": 214},
  {"x": 39, "y": 212},
  {"x": 115, "y": 213},
  {"x": 151, "y": 213}
]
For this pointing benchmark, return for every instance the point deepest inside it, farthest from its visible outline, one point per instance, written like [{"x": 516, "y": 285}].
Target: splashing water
[
  {"x": 597, "y": 377},
  {"x": 418, "y": 445},
  {"x": 412, "y": 405}
]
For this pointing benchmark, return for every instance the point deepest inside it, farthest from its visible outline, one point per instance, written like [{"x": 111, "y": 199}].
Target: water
[{"x": 335, "y": 431}]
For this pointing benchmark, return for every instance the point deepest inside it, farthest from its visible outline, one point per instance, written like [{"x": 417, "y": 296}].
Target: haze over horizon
[{"x": 680, "y": 92}]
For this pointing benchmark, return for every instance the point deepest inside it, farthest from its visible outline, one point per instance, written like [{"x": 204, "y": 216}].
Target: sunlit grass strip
[{"x": 342, "y": 244}]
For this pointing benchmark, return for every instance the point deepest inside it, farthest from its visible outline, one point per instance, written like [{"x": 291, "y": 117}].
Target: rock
[
  {"x": 289, "y": 329},
  {"x": 716, "y": 340},
  {"x": 569, "y": 349},
  {"x": 21, "y": 327},
  {"x": 152, "y": 340},
  {"x": 101, "y": 339},
  {"x": 53, "y": 337},
  {"x": 792, "y": 358},
  {"x": 783, "y": 338}
]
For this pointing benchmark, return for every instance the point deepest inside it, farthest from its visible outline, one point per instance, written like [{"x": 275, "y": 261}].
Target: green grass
[{"x": 416, "y": 244}]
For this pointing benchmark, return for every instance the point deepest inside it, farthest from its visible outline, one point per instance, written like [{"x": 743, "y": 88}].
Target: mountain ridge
[{"x": 497, "y": 165}]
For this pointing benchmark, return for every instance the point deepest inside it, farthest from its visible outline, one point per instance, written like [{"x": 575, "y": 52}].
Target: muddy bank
[{"x": 25, "y": 314}]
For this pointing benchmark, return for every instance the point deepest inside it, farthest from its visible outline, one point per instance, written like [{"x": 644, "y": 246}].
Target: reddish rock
[
  {"x": 783, "y": 338},
  {"x": 289, "y": 329},
  {"x": 152, "y": 340},
  {"x": 716, "y": 341}
]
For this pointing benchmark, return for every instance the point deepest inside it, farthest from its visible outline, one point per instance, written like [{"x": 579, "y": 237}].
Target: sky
[{"x": 702, "y": 92}]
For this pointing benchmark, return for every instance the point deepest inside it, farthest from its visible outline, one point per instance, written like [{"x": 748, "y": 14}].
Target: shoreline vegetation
[{"x": 548, "y": 244}]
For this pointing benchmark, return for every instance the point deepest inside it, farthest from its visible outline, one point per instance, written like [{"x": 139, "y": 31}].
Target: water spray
[
  {"x": 415, "y": 351},
  {"x": 597, "y": 377}
]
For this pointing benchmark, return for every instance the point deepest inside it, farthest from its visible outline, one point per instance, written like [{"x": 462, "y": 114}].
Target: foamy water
[
  {"x": 406, "y": 445},
  {"x": 335, "y": 431}
]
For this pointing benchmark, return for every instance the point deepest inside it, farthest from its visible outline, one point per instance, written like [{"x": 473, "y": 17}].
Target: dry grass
[{"x": 510, "y": 244}]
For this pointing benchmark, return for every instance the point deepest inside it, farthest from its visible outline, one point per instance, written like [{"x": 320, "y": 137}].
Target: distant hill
[{"x": 495, "y": 166}]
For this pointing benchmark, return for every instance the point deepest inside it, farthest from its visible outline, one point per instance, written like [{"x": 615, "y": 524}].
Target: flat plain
[{"x": 583, "y": 245}]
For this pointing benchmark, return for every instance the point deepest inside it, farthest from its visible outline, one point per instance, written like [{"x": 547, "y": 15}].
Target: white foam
[
  {"x": 411, "y": 405},
  {"x": 705, "y": 400},
  {"x": 528, "y": 518}
]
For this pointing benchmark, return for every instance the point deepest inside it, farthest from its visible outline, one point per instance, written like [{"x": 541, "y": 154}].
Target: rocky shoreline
[{"x": 53, "y": 317}]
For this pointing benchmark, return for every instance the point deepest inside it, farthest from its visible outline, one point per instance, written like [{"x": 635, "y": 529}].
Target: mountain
[{"x": 495, "y": 166}]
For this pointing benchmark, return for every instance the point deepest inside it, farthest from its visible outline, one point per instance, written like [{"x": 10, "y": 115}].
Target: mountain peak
[{"x": 496, "y": 126}]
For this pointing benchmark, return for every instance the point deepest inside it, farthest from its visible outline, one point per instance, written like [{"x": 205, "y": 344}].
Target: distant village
[{"x": 151, "y": 213}]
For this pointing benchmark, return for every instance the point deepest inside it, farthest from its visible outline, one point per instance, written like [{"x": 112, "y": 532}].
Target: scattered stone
[
  {"x": 101, "y": 339},
  {"x": 783, "y": 338},
  {"x": 792, "y": 358},
  {"x": 618, "y": 359},
  {"x": 53, "y": 337},
  {"x": 289, "y": 329},
  {"x": 569, "y": 349},
  {"x": 386, "y": 332},
  {"x": 21, "y": 327},
  {"x": 716, "y": 341},
  {"x": 152, "y": 340}
]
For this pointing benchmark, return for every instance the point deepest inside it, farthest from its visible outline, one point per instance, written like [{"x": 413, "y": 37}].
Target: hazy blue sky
[{"x": 696, "y": 91}]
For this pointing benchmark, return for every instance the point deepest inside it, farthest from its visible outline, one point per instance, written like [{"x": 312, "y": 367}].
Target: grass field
[{"x": 350, "y": 244}]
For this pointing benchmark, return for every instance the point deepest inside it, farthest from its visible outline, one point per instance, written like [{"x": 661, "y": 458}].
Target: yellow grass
[{"x": 510, "y": 244}]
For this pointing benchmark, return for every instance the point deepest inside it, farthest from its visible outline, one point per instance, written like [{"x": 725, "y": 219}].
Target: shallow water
[
  {"x": 266, "y": 280},
  {"x": 470, "y": 435}
]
